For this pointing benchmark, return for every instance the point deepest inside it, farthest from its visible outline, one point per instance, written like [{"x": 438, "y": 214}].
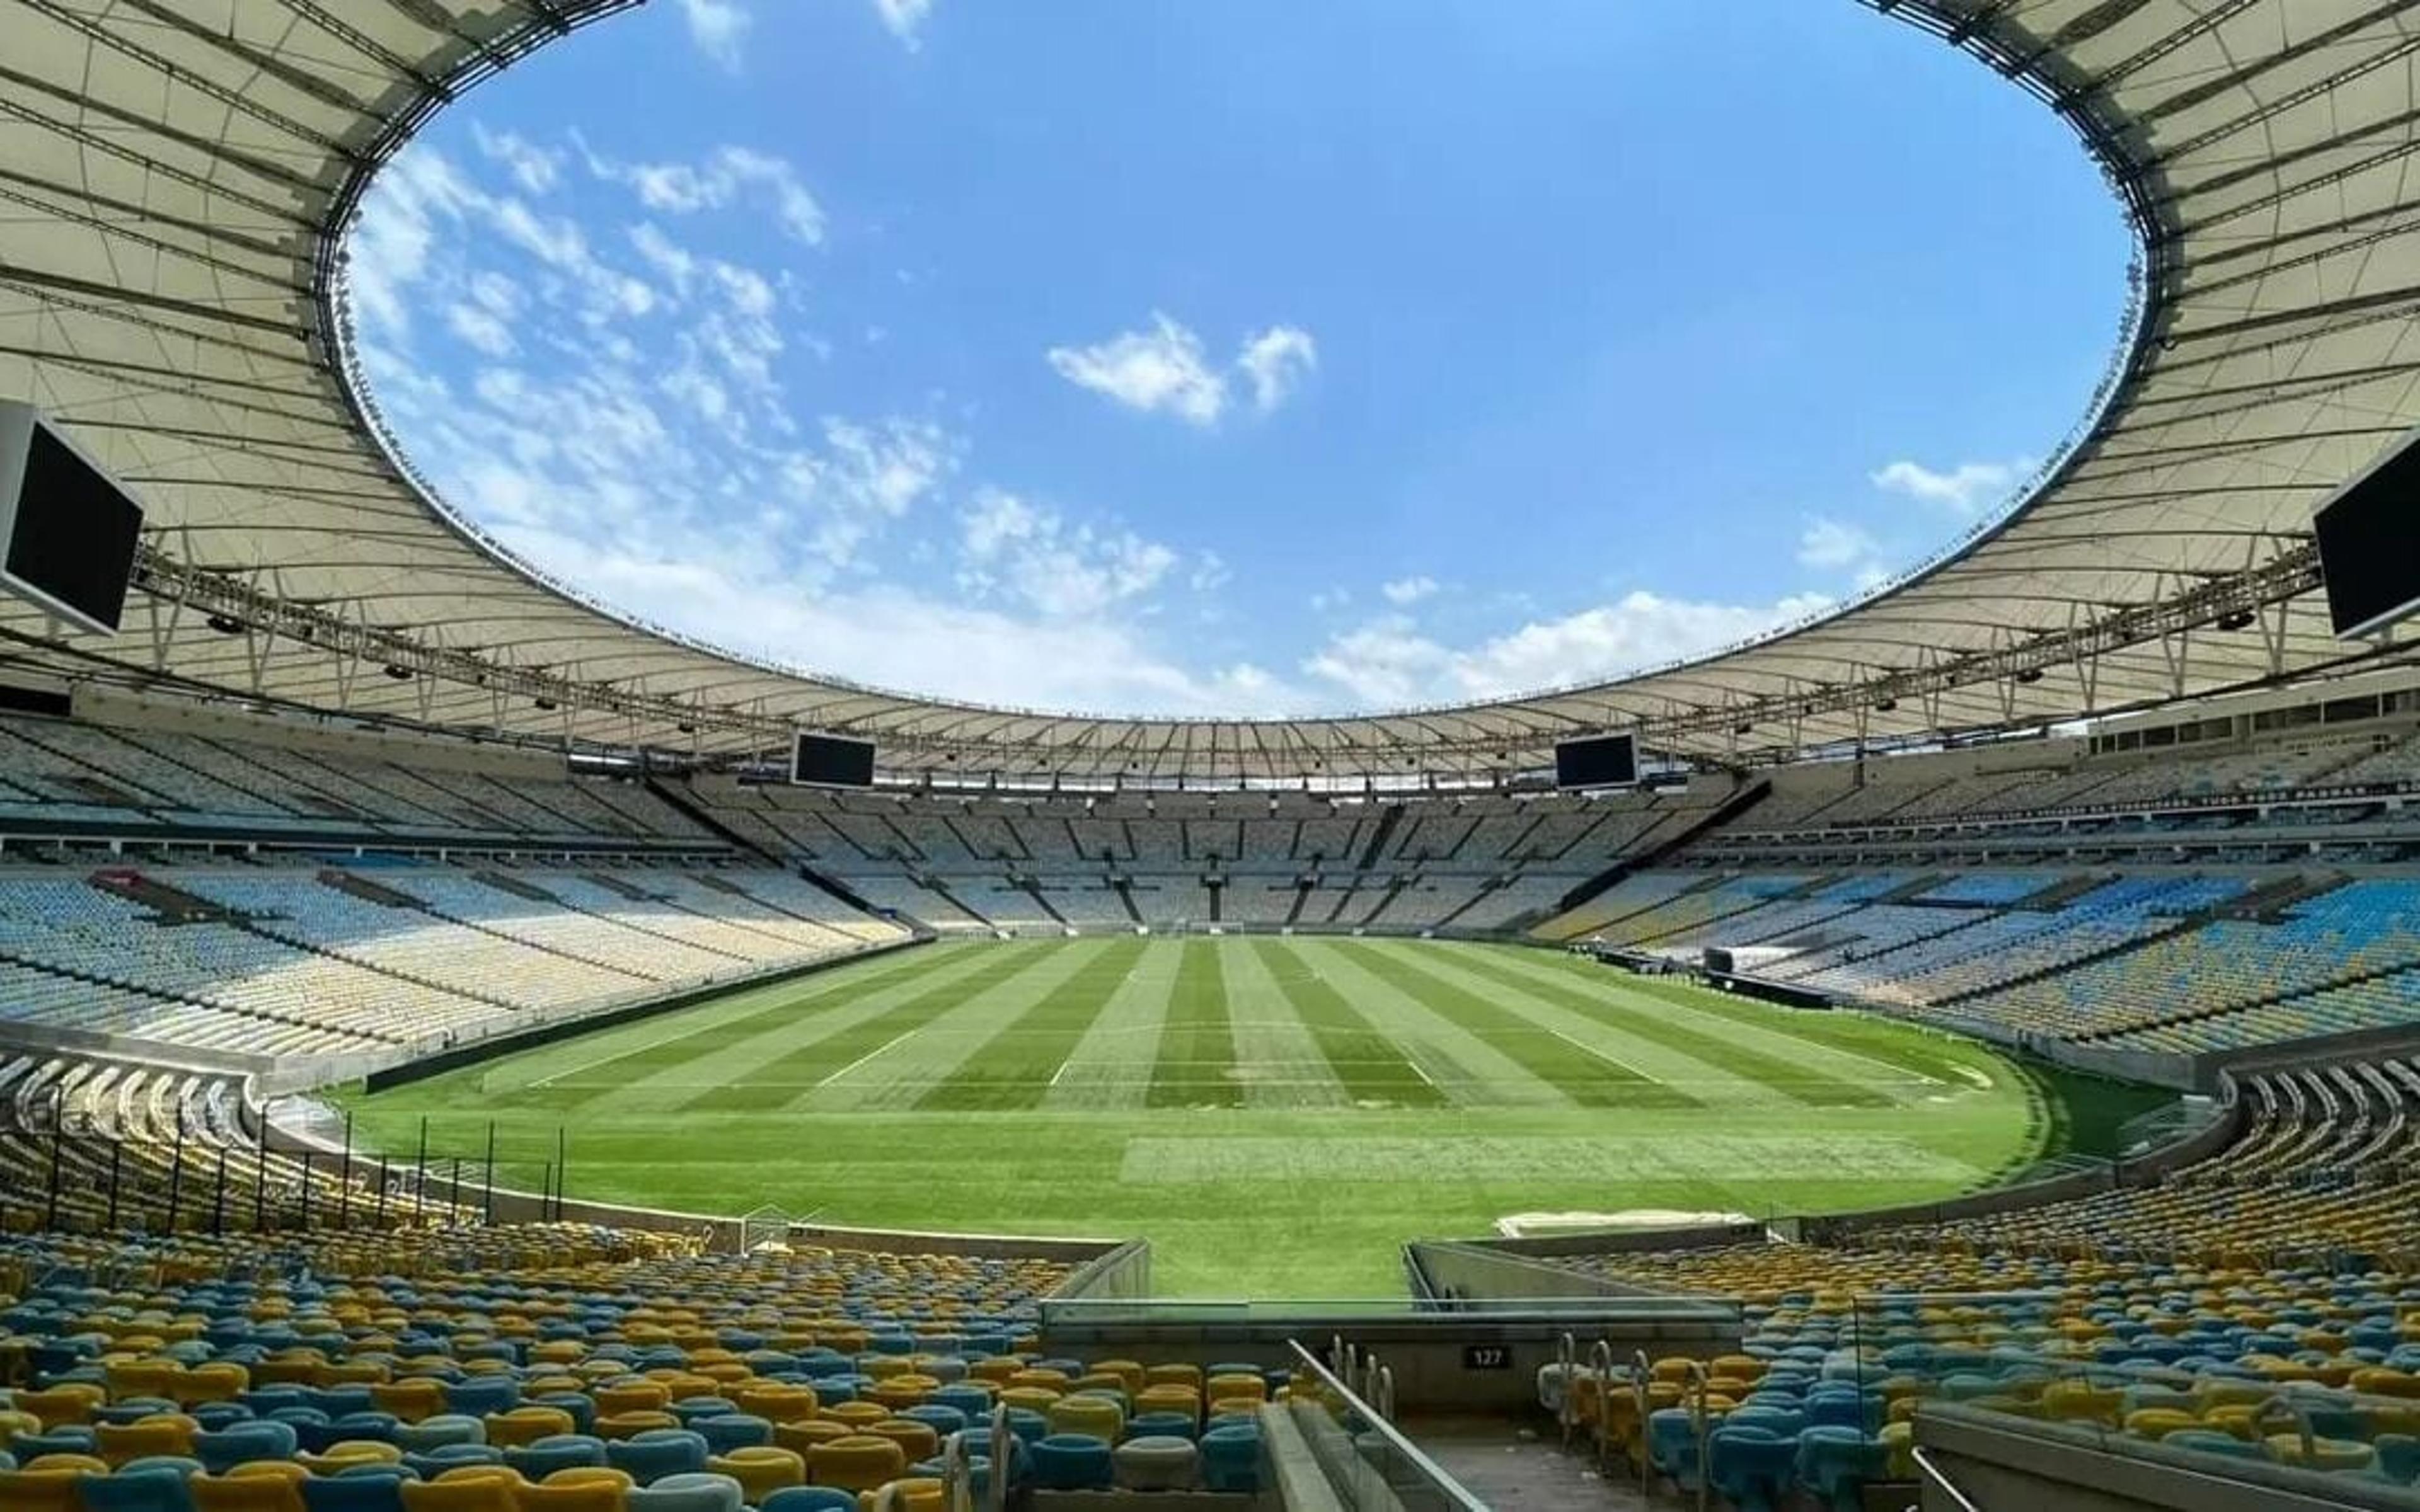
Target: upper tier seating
[{"x": 2360, "y": 930}]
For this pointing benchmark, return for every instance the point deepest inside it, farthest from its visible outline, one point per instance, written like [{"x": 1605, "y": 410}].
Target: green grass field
[{"x": 1275, "y": 1115}]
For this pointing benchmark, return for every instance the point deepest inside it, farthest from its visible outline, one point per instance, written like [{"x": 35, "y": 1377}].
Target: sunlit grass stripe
[
  {"x": 1369, "y": 1063},
  {"x": 1013, "y": 1069},
  {"x": 782, "y": 1079},
  {"x": 1783, "y": 1076},
  {"x": 1197, "y": 1041},
  {"x": 1580, "y": 1073},
  {"x": 1849, "y": 1033},
  {"x": 605, "y": 1078}
]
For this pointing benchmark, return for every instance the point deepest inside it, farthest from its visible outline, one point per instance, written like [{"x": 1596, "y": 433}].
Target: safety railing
[{"x": 1368, "y": 1462}]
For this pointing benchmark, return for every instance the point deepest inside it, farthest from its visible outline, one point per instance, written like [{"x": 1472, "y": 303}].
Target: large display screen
[
  {"x": 1604, "y": 762},
  {"x": 2369, "y": 543},
  {"x": 822, "y": 761},
  {"x": 68, "y": 531}
]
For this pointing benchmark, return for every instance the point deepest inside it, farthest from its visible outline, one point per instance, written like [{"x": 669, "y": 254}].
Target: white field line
[
  {"x": 864, "y": 1058},
  {"x": 1610, "y": 1060},
  {"x": 1900, "y": 1076},
  {"x": 741, "y": 1005}
]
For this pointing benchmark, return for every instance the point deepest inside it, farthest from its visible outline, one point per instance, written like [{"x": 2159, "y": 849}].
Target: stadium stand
[{"x": 2250, "y": 1302}]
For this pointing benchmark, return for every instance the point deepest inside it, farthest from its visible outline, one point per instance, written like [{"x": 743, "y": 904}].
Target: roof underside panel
[{"x": 175, "y": 177}]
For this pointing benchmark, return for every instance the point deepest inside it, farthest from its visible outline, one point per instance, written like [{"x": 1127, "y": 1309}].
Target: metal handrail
[
  {"x": 1642, "y": 1372},
  {"x": 1940, "y": 1477},
  {"x": 1701, "y": 1428},
  {"x": 1380, "y": 1424},
  {"x": 1567, "y": 1360},
  {"x": 1601, "y": 1366}
]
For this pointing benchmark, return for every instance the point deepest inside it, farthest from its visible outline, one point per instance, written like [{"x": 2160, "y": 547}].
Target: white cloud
[
  {"x": 1388, "y": 663},
  {"x": 1159, "y": 369},
  {"x": 1165, "y": 369},
  {"x": 1032, "y": 554},
  {"x": 535, "y": 168},
  {"x": 1404, "y": 592},
  {"x": 1276, "y": 361},
  {"x": 724, "y": 176},
  {"x": 678, "y": 264},
  {"x": 718, "y": 27},
  {"x": 1965, "y": 489},
  {"x": 1828, "y": 542},
  {"x": 905, "y": 18},
  {"x": 482, "y": 329}
]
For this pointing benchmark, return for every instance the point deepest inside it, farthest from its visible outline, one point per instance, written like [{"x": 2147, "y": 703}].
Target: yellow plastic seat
[
  {"x": 62, "y": 1406},
  {"x": 1898, "y": 1449},
  {"x": 348, "y": 1454},
  {"x": 2077, "y": 1401},
  {"x": 902, "y": 1391},
  {"x": 526, "y": 1425},
  {"x": 1168, "y": 1399},
  {"x": 2323, "y": 1454},
  {"x": 471, "y": 1493},
  {"x": 409, "y": 1401},
  {"x": 630, "y": 1396},
  {"x": 130, "y": 1379},
  {"x": 1032, "y": 1399},
  {"x": 1100, "y": 1417},
  {"x": 163, "y": 1433},
  {"x": 777, "y": 1401},
  {"x": 801, "y": 1437},
  {"x": 2159, "y": 1422},
  {"x": 1129, "y": 1373},
  {"x": 761, "y": 1470},
  {"x": 1236, "y": 1387},
  {"x": 916, "y": 1493},
  {"x": 271, "y": 1486},
  {"x": 215, "y": 1380},
  {"x": 45, "y": 1490},
  {"x": 630, "y": 1425},
  {"x": 917, "y": 1441},
  {"x": 859, "y": 1462},
  {"x": 578, "y": 1496},
  {"x": 857, "y": 1416},
  {"x": 1173, "y": 1375}
]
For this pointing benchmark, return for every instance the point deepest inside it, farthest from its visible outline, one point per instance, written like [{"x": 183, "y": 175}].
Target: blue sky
[{"x": 1236, "y": 357}]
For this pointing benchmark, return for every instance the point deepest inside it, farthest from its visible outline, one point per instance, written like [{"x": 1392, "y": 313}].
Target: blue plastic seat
[
  {"x": 1231, "y": 1458},
  {"x": 1835, "y": 1462},
  {"x": 1673, "y": 1445},
  {"x": 542, "y": 1457},
  {"x": 365, "y": 1488},
  {"x": 658, "y": 1453},
  {"x": 688, "y": 1492},
  {"x": 809, "y": 1498},
  {"x": 438, "y": 1432},
  {"x": 1073, "y": 1462},
  {"x": 431, "y": 1463},
  {"x": 157, "y": 1490},
  {"x": 243, "y": 1442},
  {"x": 726, "y": 1431},
  {"x": 1751, "y": 1466},
  {"x": 479, "y": 1395}
]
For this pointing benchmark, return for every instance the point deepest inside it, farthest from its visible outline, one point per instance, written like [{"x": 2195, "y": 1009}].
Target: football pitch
[{"x": 1275, "y": 1115}]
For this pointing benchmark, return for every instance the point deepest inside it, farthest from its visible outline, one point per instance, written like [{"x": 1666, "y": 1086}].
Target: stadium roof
[{"x": 177, "y": 174}]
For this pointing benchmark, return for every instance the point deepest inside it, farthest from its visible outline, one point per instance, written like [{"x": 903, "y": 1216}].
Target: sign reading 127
[{"x": 1488, "y": 1357}]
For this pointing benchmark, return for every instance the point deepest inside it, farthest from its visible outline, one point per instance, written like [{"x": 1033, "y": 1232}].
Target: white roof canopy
[{"x": 176, "y": 175}]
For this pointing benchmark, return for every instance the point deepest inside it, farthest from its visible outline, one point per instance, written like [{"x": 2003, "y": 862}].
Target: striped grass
[{"x": 1275, "y": 1115}]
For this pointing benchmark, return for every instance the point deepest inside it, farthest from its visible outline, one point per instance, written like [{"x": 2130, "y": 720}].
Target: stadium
[{"x": 465, "y": 1047}]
